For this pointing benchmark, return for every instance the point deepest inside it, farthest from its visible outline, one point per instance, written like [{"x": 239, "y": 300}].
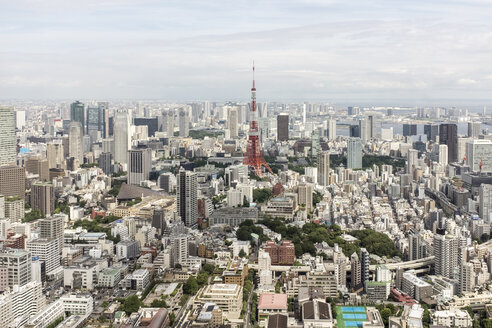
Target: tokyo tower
[{"x": 254, "y": 157}]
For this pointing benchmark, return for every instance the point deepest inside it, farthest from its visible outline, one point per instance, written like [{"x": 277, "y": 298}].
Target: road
[
  {"x": 184, "y": 312},
  {"x": 247, "y": 322}
]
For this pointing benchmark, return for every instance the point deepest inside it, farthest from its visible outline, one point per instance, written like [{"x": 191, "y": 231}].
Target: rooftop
[{"x": 273, "y": 301}]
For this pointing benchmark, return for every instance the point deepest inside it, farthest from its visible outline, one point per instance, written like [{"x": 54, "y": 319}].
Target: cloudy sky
[{"x": 347, "y": 51}]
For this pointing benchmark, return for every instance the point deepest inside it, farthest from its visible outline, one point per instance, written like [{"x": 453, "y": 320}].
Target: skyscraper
[
  {"x": 184, "y": 123},
  {"x": 485, "y": 204},
  {"x": 122, "y": 137},
  {"x": 232, "y": 122},
  {"x": 77, "y": 113},
  {"x": 105, "y": 163},
  {"x": 355, "y": 279},
  {"x": 431, "y": 131},
  {"x": 97, "y": 120},
  {"x": 332, "y": 129},
  {"x": 367, "y": 128},
  {"x": 43, "y": 197},
  {"x": 282, "y": 127},
  {"x": 354, "y": 153},
  {"x": 443, "y": 154},
  {"x": 448, "y": 135},
  {"x": 54, "y": 151},
  {"x": 364, "y": 265},
  {"x": 75, "y": 136},
  {"x": 323, "y": 168},
  {"x": 409, "y": 130},
  {"x": 8, "y": 151},
  {"x": 139, "y": 165},
  {"x": 412, "y": 158},
  {"x": 187, "y": 193},
  {"x": 446, "y": 255},
  {"x": 474, "y": 129},
  {"x": 168, "y": 123}
]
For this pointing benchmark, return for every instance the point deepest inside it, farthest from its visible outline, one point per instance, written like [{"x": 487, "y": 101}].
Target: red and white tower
[{"x": 254, "y": 158}]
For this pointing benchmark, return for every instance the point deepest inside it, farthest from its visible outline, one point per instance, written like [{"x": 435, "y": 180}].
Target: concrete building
[
  {"x": 39, "y": 166},
  {"x": 109, "y": 277},
  {"x": 324, "y": 168},
  {"x": 17, "y": 306},
  {"x": 187, "y": 192},
  {"x": 43, "y": 197},
  {"x": 47, "y": 250},
  {"x": 448, "y": 135},
  {"x": 228, "y": 298},
  {"x": 485, "y": 203},
  {"x": 12, "y": 181},
  {"x": 8, "y": 151},
  {"x": 479, "y": 155},
  {"x": 184, "y": 123},
  {"x": 354, "y": 153},
  {"x": 446, "y": 255},
  {"x": 139, "y": 165},
  {"x": 75, "y": 137},
  {"x": 280, "y": 254},
  {"x": 332, "y": 129},
  {"x": 474, "y": 129},
  {"x": 18, "y": 264},
  {"x": 282, "y": 127},
  {"x": 453, "y": 317},
  {"x": 55, "y": 154},
  {"x": 52, "y": 227},
  {"x": 415, "y": 287},
  {"x": 14, "y": 209},
  {"x": 305, "y": 194},
  {"x": 467, "y": 277},
  {"x": 128, "y": 249},
  {"x": 122, "y": 137},
  {"x": 233, "y": 216}
]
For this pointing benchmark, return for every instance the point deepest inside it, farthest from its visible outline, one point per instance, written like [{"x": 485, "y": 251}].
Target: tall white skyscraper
[
  {"x": 332, "y": 129},
  {"x": 412, "y": 158},
  {"x": 187, "y": 193},
  {"x": 354, "y": 153},
  {"x": 8, "y": 151},
  {"x": 443, "y": 154},
  {"x": 20, "y": 119},
  {"x": 168, "y": 123},
  {"x": 485, "y": 204},
  {"x": 184, "y": 123},
  {"x": 76, "y": 147},
  {"x": 122, "y": 137},
  {"x": 232, "y": 122},
  {"x": 446, "y": 255}
]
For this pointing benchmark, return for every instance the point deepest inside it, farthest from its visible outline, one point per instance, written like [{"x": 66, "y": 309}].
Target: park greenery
[
  {"x": 262, "y": 195},
  {"x": 305, "y": 238},
  {"x": 131, "y": 304},
  {"x": 99, "y": 224},
  {"x": 192, "y": 285},
  {"x": 33, "y": 215}
]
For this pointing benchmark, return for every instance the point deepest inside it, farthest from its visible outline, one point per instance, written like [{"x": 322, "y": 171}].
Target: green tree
[
  {"x": 172, "y": 319},
  {"x": 202, "y": 279},
  {"x": 385, "y": 314},
  {"x": 131, "y": 304},
  {"x": 242, "y": 253},
  {"x": 158, "y": 304},
  {"x": 190, "y": 287},
  {"x": 32, "y": 216},
  {"x": 178, "y": 266},
  {"x": 208, "y": 268}
]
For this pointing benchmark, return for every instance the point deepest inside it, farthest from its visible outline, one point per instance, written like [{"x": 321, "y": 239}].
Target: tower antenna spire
[{"x": 253, "y": 74}]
